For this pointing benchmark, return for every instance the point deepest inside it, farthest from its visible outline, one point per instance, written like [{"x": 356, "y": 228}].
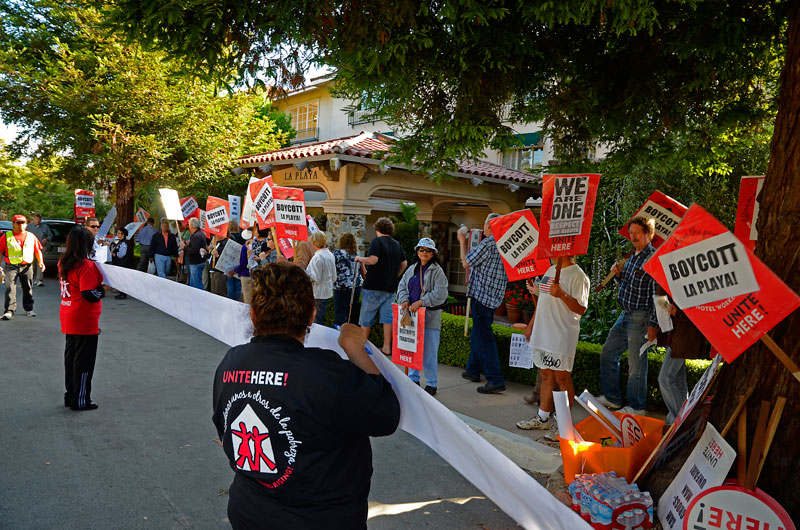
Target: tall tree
[{"x": 114, "y": 114}]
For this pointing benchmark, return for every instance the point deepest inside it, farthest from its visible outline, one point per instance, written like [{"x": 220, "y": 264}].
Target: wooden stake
[
  {"x": 781, "y": 355},
  {"x": 558, "y": 270},
  {"x": 466, "y": 319},
  {"x": 772, "y": 427},
  {"x": 213, "y": 258},
  {"x": 742, "y": 402},
  {"x": 179, "y": 240},
  {"x": 357, "y": 265},
  {"x": 620, "y": 264},
  {"x": 741, "y": 458},
  {"x": 758, "y": 446},
  {"x": 277, "y": 245}
]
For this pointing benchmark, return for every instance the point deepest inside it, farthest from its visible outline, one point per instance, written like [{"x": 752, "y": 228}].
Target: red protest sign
[
  {"x": 190, "y": 208},
  {"x": 409, "y": 341},
  {"x": 732, "y": 506},
  {"x": 516, "y": 236},
  {"x": 84, "y": 204},
  {"x": 290, "y": 213},
  {"x": 667, "y": 213},
  {"x": 260, "y": 193},
  {"x": 286, "y": 247},
  {"x": 747, "y": 211},
  {"x": 567, "y": 210},
  {"x": 217, "y": 217},
  {"x": 141, "y": 216},
  {"x": 726, "y": 291}
]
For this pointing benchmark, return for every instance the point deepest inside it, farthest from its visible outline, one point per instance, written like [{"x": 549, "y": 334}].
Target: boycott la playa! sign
[
  {"x": 516, "y": 237},
  {"x": 667, "y": 213},
  {"x": 726, "y": 291},
  {"x": 731, "y": 506},
  {"x": 747, "y": 211},
  {"x": 567, "y": 210},
  {"x": 260, "y": 193},
  {"x": 409, "y": 341},
  {"x": 290, "y": 213},
  {"x": 217, "y": 217},
  {"x": 84, "y": 203},
  {"x": 189, "y": 208},
  {"x": 141, "y": 215}
]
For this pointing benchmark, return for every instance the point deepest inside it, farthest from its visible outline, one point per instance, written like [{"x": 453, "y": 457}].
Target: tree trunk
[
  {"x": 779, "y": 247},
  {"x": 124, "y": 202}
]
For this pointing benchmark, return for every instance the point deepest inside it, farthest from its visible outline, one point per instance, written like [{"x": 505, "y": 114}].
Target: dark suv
[
  {"x": 5, "y": 226},
  {"x": 58, "y": 243}
]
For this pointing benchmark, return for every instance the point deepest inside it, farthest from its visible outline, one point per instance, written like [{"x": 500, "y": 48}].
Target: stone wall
[{"x": 339, "y": 223}]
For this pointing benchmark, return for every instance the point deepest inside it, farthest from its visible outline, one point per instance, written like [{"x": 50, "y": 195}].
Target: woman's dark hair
[
  {"x": 347, "y": 242},
  {"x": 79, "y": 244},
  {"x": 434, "y": 259},
  {"x": 283, "y": 300},
  {"x": 124, "y": 231}
]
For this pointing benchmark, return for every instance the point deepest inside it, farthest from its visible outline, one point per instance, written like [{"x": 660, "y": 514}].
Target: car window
[{"x": 60, "y": 231}]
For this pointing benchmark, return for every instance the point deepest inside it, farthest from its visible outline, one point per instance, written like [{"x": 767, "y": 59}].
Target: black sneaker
[
  {"x": 489, "y": 388},
  {"x": 89, "y": 406},
  {"x": 430, "y": 390},
  {"x": 121, "y": 296},
  {"x": 468, "y": 376}
]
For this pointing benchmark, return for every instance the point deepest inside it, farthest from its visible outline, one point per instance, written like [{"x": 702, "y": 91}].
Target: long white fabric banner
[{"x": 502, "y": 481}]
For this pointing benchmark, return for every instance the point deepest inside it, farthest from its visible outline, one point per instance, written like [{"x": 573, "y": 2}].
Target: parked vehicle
[
  {"x": 5, "y": 226},
  {"x": 58, "y": 243}
]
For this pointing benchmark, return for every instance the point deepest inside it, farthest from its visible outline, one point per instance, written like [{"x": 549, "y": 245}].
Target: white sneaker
[
  {"x": 608, "y": 404},
  {"x": 7, "y": 315},
  {"x": 630, "y": 410},
  {"x": 39, "y": 284},
  {"x": 30, "y": 313},
  {"x": 536, "y": 423},
  {"x": 552, "y": 433}
]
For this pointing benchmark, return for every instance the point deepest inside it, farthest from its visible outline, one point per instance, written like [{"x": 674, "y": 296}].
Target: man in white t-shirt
[{"x": 554, "y": 337}]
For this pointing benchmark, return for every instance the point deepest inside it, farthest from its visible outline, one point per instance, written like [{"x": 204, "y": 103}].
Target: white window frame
[{"x": 307, "y": 132}]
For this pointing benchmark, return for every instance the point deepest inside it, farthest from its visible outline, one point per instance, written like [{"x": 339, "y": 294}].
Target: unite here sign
[
  {"x": 409, "y": 341},
  {"x": 664, "y": 210},
  {"x": 516, "y": 237},
  {"x": 725, "y": 290},
  {"x": 567, "y": 210},
  {"x": 747, "y": 211}
]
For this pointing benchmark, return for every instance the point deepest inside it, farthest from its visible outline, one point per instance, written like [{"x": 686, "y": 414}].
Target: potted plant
[{"x": 514, "y": 299}]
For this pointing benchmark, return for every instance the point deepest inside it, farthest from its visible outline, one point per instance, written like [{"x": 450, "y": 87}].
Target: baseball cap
[{"x": 19, "y": 218}]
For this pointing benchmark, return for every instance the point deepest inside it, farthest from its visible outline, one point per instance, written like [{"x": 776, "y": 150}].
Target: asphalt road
[{"x": 148, "y": 457}]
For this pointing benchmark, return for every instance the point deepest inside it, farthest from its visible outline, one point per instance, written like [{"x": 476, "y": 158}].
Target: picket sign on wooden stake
[
  {"x": 741, "y": 458},
  {"x": 558, "y": 270},
  {"x": 772, "y": 428},
  {"x": 356, "y": 266},
  {"x": 758, "y": 446},
  {"x": 781, "y": 355},
  {"x": 620, "y": 264},
  {"x": 742, "y": 402},
  {"x": 213, "y": 258}
]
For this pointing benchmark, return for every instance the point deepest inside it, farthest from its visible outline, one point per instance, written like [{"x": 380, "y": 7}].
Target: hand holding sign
[{"x": 567, "y": 210}]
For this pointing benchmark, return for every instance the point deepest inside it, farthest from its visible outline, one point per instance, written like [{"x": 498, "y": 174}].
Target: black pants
[
  {"x": 79, "y": 356},
  {"x": 144, "y": 258},
  {"x": 25, "y": 275}
]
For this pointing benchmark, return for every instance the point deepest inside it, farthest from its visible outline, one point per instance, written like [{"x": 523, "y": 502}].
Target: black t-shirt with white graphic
[{"x": 295, "y": 424}]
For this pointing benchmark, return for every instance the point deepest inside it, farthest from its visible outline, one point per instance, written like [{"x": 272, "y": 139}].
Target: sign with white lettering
[
  {"x": 736, "y": 322},
  {"x": 189, "y": 207},
  {"x": 263, "y": 202},
  {"x": 706, "y": 467},
  {"x": 520, "y": 354},
  {"x": 141, "y": 215},
  {"x": 171, "y": 203},
  {"x": 248, "y": 212},
  {"x": 667, "y": 213},
  {"x": 290, "y": 213},
  {"x": 733, "y": 507},
  {"x": 217, "y": 218},
  {"x": 236, "y": 207},
  {"x": 631, "y": 430},
  {"x": 747, "y": 210},
  {"x": 707, "y": 271},
  {"x": 409, "y": 341},
  {"x": 516, "y": 236},
  {"x": 567, "y": 210}
]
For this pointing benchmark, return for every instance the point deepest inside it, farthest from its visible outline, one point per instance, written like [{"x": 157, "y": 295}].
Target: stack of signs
[
  {"x": 248, "y": 212},
  {"x": 260, "y": 193},
  {"x": 217, "y": 217},
  {"x": 726, "y": 291},
  {"x": 409, "y": 341},
  {"x": 172, "y": 204},
  {"x": 747, "y": 211},
  {"x": 667, "y": 213},
  {"x": 236, "y": 207},
  {"x": 290, "y": 213},
  {"x": 190, "y": 208},
  {"x": 84, "y": 205},
  {"x": 141, "y": 215},
  {"x": 516, "y": 236},
  {"x": 567, "y": 210}
]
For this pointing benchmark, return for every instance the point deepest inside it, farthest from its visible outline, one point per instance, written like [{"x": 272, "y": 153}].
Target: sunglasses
[
  {"x": 92, "y": 226},
  {"x": 19, "y": 222},
  {"x": 427, "y": 250}
]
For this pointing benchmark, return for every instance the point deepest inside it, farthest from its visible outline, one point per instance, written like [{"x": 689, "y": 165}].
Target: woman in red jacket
[{"x": 81, "y": 292}]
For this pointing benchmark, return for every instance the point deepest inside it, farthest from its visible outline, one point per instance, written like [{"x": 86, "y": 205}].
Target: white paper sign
[
  {"x": 132, "y": 228},
  {"x": 518, "y": 242},
  {"x": 662, "y": 304},
  {"x": 569, "y": 205},
  {"x": 713, "y": 269},
  {"x": 236, "y": 206},
  {"x": 106, "y": 226},
  {"x": 201, "y": 217},
  {"x": 229, "y": 258},
  {"x": 101, "y": 254},
  {"x": 521, "y": 354},
  {"x": 666, "y": 221},
  {"x": 406, "y": 338},
  {"x": 263, "y": 202},
  {"x": 248, "y": 212},
  {"x": 290, "y": 212},
  {"x": 84, "y": 201},
  {"x": 706, "y": 467},
  {"x": 171, "y": 203},
  {"x": 217, "y": 216}
]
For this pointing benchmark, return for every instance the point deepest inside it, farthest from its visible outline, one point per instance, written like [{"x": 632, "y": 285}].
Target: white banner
[
  {"x": 520, "y": 354},
  {"x": 421, "y": 415},
  {"x": 229, "y": 258}
]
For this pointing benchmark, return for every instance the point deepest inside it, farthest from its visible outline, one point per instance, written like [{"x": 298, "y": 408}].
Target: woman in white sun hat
[{"x": 424, "y": 284}]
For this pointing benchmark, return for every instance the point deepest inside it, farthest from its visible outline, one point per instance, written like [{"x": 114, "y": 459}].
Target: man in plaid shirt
[
  {"x": 486, "y": 287},
  {"x": 635, "y": 296}
]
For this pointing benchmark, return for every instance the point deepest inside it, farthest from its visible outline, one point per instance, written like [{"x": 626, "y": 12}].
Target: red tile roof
[{"x": 369, "y": 145}]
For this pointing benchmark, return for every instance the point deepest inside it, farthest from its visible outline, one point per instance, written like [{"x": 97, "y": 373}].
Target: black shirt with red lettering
[{"x": 295, "y": 424}]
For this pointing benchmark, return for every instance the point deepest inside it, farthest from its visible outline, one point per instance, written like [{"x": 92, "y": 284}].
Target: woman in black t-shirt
[{"x": 295, "y": 422}]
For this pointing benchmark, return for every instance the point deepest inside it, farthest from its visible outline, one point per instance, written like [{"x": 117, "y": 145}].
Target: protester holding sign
[
  {"x": 554, "y": 337},
  {"x": 81, "y": 295},
  {"x": 424, "y": 284},
  {"x": 296, "y": 429},
  {"x": 345, "y": 275},
  {"x": 196, "y": 253},
  {"x": 635, "y": 325},
  {"x": 322, "y": 271},
  {"x": 163, "y": 247},
  {"x": 486, "y": 287},
  {"x": 122, "y": 254}
]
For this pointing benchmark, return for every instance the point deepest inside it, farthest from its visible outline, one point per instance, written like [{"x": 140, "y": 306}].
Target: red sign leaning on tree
[
  {"x": 729, "y": 294},
  {"x": 516, "y": 236},
  {"x": 747, "y": 211},
  {"x": 567, "y": 210},
  {"x": 667, "y": 213}
]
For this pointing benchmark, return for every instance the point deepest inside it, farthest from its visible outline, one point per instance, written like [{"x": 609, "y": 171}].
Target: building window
[
  {"x": 456, "y": 275},
  {"x": 524, "y": 158},
  {"x": 304, "y": 121}
]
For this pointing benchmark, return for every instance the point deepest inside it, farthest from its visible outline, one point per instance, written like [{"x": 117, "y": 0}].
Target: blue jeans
[
  {"x": 483, "y": 348},
  {"x": 322, "y": 306},
  {"x": 672, "y": 382},
  {"x": 430, "y": 359},
  {"x": 162, "y": 264},
  {"x": 628, "y": 332},
  {"x": 234, "y": 287},
  {"x": 373, "y": 302},
  {"x": 196, "y": 275},
  {"x": 341, "y": 304}
]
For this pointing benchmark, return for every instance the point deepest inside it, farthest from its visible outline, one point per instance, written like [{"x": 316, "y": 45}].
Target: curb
[{"x": 527, "y": 454}]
